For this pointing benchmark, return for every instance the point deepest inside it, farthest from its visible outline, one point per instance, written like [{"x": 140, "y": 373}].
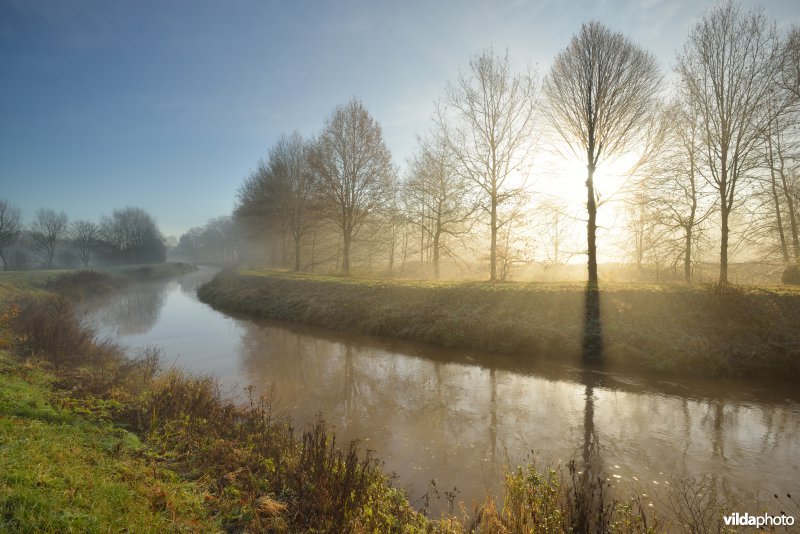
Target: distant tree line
[
  {"x": 128, "y": 236},
  {"x": 216, "y": 242}
]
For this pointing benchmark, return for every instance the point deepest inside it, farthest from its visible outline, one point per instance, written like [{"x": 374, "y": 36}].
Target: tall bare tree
[
  {"x": 289, "y": 161},
  {"x": 780, "y": 157},
  {"x": 9, "y": 227},
  {"x": 85, "y": 235},
  {"x": 487, "y": 121},
  {"x": 47, "y": 228},
  {"x": 438, "y": 199},
  {"x": 354, "y": 171},
  {"x": 600, "y": 92},
  {"x": 725, "y": 71}
]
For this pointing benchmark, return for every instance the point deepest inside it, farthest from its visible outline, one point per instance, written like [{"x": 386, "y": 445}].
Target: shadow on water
[
  {"x": 591, "y": 444},
  {"x": 592, "y": 352}
]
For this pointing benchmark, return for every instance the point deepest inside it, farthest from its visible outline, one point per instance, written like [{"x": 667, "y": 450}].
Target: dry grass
[{"x": 703, "y": 330}]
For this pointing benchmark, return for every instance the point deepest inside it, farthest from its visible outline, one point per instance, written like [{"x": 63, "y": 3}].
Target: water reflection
[
  {"x": 462, "y": 423},
  {"x": 592, "y": 463},
  {"x": 132, "y": 313},
  {"x": 460, "y": 416}
]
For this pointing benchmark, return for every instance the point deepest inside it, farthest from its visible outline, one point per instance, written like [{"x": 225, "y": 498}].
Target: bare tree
[
  {"x": 556, "y": 227},
  {"x": 9, "y": 227},
  {"x": 289, "y": 162},
  {"x": 649, "y": 236},
  {"x": 85, "y": 235},
  {"x": 438, "y": 199},
  {"x": 47, "y": 228},
  {"x": 131, "y": 235},
  {"x": 354, "y": 171},
  {"x": 675, "y": 187},
  {"x": 260, "y": 213},
  {"x": 778, "y": 151},
  {"x": 279, "y": 195},
  {"x": 790, "y": 63},
  {"x": 514, "y": 247},
  {"x": 490, "y": 137},
  {"x": 725, "y": 71},
  {"x": 600, "y": 91}
]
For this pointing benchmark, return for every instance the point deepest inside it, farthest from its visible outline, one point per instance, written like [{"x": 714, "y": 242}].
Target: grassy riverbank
[
  {"x": 77, "y": 284},
  {"x": 94, "y": 441},
  {"x": 700, "y": 330},
  {"x": 63, "y": 468}
]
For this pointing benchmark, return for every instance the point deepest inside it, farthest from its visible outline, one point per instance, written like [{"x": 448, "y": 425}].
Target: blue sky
[{"x": 169, "y": 105}]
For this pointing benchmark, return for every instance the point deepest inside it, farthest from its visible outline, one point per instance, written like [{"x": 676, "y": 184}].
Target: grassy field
[{"x": 701, "y": 330}]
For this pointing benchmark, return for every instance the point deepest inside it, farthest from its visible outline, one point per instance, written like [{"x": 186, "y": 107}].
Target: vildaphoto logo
[{"x": 765, "y": 520}]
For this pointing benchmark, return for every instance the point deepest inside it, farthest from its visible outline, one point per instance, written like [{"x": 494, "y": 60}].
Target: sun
[{"x": 566, "y": 178}]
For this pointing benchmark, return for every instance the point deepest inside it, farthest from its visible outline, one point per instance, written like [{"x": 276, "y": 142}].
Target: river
[{"x": 459, "y": 417}]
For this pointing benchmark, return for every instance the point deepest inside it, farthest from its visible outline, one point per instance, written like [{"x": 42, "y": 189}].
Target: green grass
[
  {"x": 679, "y": 329},
  {"x": 60, "y": 472}
]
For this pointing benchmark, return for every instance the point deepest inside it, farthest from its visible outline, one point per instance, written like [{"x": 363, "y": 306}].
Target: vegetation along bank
[{"x": 702, "y": 330}]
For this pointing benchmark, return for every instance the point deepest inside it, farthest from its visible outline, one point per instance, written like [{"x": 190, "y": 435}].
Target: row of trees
[
  {"x": 129, "y": 235},
  {"x": 216, "y": 242},
  {"x": 721, "y": 145},
  {"x": 344, "y": 177},
  {"x": 727, "y": 146}
]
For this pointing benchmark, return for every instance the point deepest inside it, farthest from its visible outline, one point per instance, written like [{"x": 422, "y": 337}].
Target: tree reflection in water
[{"x": 135, "y": 311}]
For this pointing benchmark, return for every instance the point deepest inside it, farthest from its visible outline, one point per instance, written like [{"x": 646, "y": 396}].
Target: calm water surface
[{"x": 459, "y": 417}]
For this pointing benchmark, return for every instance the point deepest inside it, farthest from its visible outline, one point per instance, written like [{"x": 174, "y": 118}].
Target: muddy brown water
[{"x": 459, "y": 417}]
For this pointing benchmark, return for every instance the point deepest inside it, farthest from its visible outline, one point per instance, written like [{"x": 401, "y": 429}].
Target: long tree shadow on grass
[{"x": 592, "y": 327}]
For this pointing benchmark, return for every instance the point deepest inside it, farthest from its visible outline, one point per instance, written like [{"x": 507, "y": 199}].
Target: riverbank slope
[
  {"x": 77, "y": 284},
  {"x": 678, "y": 329}
]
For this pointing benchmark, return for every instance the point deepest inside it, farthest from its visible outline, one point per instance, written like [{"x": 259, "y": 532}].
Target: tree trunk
[
  {"x": 775, "y": 197},
  {"x": 436, "y": 254},
  {"x": 297, "y": 253},
  {"x": 723, "y": 249},
  {"x": 687, "y": 256},
  {"x": 792, "y": 217},
  {"x": 313, "y": 249},
  {"x": 3, "y": 257},
  {"x": 346, "y": 256},
  {"x": 493, "y": 250},
  {"x": 779, "y": 220},
  {"x": 591, "y": 226}
]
